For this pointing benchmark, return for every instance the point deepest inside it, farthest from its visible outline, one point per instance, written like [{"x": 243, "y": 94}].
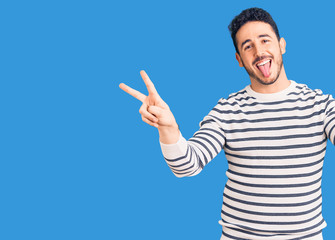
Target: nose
[{"x": 259, "y": 50}]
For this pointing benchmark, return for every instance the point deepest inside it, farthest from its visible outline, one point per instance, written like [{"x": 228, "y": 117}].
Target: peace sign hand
[{"x": 154, "y": 110}]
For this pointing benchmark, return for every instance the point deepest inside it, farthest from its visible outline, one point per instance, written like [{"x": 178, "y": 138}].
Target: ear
[
  {"x": 282, "y": 45},
  {"x": 238, "y": 58}
]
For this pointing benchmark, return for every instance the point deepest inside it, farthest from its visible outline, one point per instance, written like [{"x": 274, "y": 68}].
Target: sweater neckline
[{"x": 271, "y": 96}]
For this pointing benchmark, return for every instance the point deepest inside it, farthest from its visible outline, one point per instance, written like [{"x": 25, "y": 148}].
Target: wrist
[
  {"x": 169, "y": 134},
  {"x": 168, "y": 128}
]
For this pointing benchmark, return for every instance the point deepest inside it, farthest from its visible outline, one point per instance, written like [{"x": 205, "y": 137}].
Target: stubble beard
[{"x": 253, "y": 75}]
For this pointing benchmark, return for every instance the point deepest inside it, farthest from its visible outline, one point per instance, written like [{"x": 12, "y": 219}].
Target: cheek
[
  {"x": 248, "y": 59},
  {"x": 279, "y": 56},
  {"x": 276, "y": 51}
]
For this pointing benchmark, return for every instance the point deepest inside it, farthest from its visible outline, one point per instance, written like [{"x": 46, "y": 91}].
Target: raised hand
[{"x": 154, "y": 110}]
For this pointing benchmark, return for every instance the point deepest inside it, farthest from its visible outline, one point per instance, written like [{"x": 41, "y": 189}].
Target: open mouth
[{"x": 264, "y": 66}]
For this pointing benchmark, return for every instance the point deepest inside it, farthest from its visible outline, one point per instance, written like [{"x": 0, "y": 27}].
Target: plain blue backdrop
[{"x": 77, "y": 162}]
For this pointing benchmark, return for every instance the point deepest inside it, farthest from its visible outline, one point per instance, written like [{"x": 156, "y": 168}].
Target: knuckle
[
  {"x": 141, "y": 111},
  {"x": 151, "y": 109}
]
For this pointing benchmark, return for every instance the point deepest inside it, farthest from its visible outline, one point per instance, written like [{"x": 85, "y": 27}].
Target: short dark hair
[{"x": 249, "y": 15}]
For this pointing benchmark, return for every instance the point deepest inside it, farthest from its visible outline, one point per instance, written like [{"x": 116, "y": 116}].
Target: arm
[
  {"x": 185, "y": 158},
  {"x": 329, "y": 122},
  {"x": 188, "y": 158}
]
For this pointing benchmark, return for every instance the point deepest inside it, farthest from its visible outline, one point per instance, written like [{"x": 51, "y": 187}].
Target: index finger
[
  {"x": 136, "y": 94},
  {"x": 150, "y": 86}
]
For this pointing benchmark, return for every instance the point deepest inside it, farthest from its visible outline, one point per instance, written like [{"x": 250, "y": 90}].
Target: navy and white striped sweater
[{"x": 275, "y": 146}]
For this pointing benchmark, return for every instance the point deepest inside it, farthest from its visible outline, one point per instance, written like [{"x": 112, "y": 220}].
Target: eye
[
  {"x": 247, "y": 47},
  {"x": 266, "y": 40}
]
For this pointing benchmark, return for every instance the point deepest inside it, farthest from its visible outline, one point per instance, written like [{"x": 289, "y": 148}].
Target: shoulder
[
  {"x": 233, "y": 104},
  {"x": 305, "y": 93},
  {"x": 303, "y": 89},
  {"x": 236, "y": 98}
]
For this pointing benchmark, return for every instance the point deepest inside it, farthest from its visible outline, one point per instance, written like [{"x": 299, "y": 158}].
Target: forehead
[{"x": 252, "y": 30}]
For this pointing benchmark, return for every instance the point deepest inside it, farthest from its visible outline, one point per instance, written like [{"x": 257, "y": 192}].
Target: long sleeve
[
  {"x": 275, "y": 146},
  {"x": 188, "y": 158},
  {"x": 329, "y": 122}
]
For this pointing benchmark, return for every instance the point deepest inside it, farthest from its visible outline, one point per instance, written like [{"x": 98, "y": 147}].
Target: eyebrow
[{"x": 260, "y": 36}]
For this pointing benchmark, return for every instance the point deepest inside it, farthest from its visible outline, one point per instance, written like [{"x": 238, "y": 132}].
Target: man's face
[{"x": 260, "y": 52}]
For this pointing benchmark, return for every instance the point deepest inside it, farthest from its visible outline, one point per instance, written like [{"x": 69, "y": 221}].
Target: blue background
[{"x": 77, "y": 162}]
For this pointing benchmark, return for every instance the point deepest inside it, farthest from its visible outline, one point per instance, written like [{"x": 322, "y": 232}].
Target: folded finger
[
  {"x": 144, "y": 112},
  {"x": 157, "y": 111},
  {"x": 149, "y": 122}
]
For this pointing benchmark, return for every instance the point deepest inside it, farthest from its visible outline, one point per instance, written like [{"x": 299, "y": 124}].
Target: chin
[{"x": 266, "y": 81}]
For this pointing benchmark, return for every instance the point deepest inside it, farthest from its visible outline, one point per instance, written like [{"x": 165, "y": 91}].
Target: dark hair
[{"x": 248, "y": 15}]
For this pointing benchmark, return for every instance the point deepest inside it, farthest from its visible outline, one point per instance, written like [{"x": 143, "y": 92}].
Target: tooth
[{"x": 261, "y": 64}]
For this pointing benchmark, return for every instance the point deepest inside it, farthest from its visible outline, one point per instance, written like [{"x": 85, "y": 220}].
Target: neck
[{"x": 279, "y": 85}]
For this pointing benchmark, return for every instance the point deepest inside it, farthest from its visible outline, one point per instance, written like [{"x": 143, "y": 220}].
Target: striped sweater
[{"x": 275, "y": 146}]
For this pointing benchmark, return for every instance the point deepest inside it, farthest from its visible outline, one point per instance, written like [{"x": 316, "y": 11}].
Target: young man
[{"x": 274, "y": 133}]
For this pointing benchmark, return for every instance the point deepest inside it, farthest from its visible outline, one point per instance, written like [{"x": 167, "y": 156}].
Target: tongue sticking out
[{"x": 265, "y": 69}]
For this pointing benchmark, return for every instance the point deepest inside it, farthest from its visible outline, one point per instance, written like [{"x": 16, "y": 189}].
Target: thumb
[{"x": 157, "y": 111}]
